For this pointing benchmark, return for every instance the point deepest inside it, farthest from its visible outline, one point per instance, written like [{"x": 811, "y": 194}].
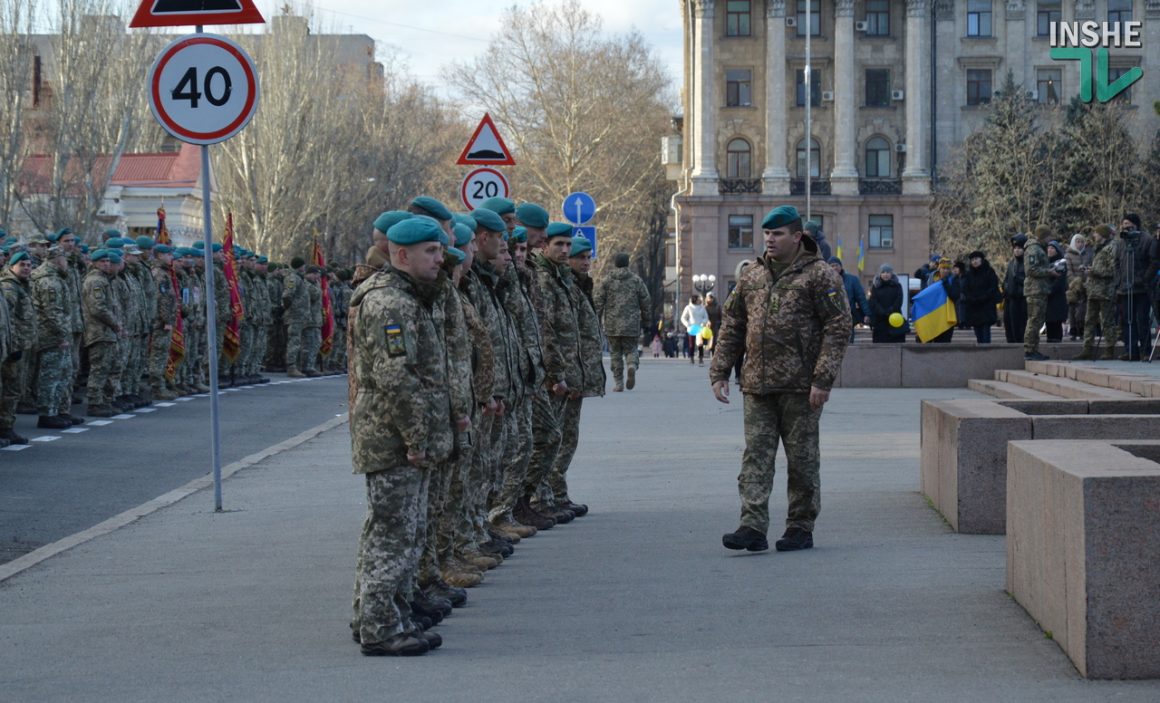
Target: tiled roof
[{"x": 180, "y": 169}]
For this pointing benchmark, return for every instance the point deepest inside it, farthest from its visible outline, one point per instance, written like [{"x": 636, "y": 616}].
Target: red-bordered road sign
[
  {"x": 486, "y": 147},
  {"x": 481, "y": 184},
  {"x": 203, "y": 88},
  {"x": 177, "y": 13}
]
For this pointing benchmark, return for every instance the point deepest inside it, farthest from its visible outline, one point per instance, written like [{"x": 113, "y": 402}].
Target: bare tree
[{"x": 16, "y": 84}]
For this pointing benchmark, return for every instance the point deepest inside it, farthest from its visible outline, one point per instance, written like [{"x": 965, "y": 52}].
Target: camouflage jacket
[
  {"x": 21, "y": 311},
  {"x": 1101, "y": 279},
  {"x": 560, "y": 326},
  {"x": 149, "y": 291},
  {"x": 76, "y": 276},
  {"x": 51, "y": 298},
  {"x": 295, "y": 299},
  {"x": 591, "y": 339},
  {"x": 793, "y": 328},
  {"x": 1038, "y": 269},
  {"x": 518, "y": 302},
  {"x": 314, "y": 291},
  {"x": 134, "y": 305},
  {"x": 401, "y": 402},
  {"x": 623, "y": 304},
  {"x": 102, "y": 308},
  {"x": 482, "y": 355},
  {"x": 479, "y": 284},
  {"x": 274, "y": 295},
  {"x": 167, "y": 298},
  {"x": 458, "y": 350},
  {"x": 221, "y": 294}
]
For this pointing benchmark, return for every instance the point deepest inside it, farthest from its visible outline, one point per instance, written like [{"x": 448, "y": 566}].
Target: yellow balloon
[{"x": 896, "y": 319}]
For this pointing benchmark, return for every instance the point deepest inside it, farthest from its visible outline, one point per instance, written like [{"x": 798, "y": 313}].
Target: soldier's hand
[
  {"x": 489, "y": 407},
  {"x": 560, "y": 388},
  {"x": 416, "y": 458},
  {"x": 64, "y": 344},
  {"x": 463, "y": 424},
  {"x": 818, "y": 397},
  {"x": 721, "y": 391}
]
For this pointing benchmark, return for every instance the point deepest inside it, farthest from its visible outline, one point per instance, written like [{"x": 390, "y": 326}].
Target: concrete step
[
  {"x": 1008, "y": 391},
  {"x": 1140, "y": 384},
  {"x": 1062, "y": 387}
]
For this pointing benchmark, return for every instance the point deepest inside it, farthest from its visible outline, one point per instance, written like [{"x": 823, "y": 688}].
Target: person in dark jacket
[
  {"x": 859, "y": 308},
  {"x": 886, "y": 298},
  {"x": 1138, "y": 263},
  {"x": 1057, "y": 298},
  {"x": 713, "y": 308},
  {"x": 1014, "y": 302},
  {"x": 980, "y": 294}
]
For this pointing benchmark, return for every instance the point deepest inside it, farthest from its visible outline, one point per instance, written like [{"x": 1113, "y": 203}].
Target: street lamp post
[{"x": 704, "y": 283}]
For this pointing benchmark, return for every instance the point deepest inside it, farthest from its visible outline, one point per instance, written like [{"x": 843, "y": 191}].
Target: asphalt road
[{"x": 76, "y": 479}]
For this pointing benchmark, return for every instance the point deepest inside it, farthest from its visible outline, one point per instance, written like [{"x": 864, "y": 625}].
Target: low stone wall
[
  {"x": 911, "y": 365},
  {"x": 1083, "y": 535},
  {"x": 964, "y": 447}
]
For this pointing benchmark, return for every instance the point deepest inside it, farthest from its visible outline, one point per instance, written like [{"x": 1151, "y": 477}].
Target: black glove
[{"x": 16, "y": 356}]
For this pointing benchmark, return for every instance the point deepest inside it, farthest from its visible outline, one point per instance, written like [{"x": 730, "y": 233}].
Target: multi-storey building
[{"x": 895, "y": 86}]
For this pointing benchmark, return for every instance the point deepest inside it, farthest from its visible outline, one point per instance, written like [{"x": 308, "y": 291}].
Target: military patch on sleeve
[
  {"x": 396, "y": 346},
  {"x": 834, "y": 300}
]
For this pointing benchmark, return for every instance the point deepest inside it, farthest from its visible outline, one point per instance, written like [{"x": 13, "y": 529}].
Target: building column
[
  {"x": 704, "y": 176},
  {"x": 915, "y": 178},
  {"x": 844, "y": 177},
  {"x": 775, "y": 178}
]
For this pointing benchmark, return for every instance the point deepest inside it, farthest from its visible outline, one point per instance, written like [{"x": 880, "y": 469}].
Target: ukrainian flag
[
  {"x": 861, "y": 256},
  {"x": 932, "y": 312},
  {"x": 838, "y": 250}
]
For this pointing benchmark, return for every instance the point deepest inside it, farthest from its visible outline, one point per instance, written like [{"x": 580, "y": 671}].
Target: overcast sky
[{"x": 430, "y": 34}]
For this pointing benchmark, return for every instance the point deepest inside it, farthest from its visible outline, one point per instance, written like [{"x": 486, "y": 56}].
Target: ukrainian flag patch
[{"x": 396, "y": 346}]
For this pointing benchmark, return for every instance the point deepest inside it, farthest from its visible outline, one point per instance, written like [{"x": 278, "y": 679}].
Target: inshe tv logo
[{"x": 1078, "y": 41}]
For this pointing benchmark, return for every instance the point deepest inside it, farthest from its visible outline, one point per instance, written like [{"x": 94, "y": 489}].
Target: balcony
[
  {"x": 818, "y": 186},
  {"x": 737, "y": 186},
  {"x": 880, "y": 186}
]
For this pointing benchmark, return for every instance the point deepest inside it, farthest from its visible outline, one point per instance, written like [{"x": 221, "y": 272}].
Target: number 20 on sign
[
  {"x": 481, "y": 184},
  {"x": 203, "y": 88}
]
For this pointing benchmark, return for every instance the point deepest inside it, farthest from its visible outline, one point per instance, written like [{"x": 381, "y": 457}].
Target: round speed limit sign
[
  {"x": 203, "y": 88},
  {"x": 481, "y": 184}
]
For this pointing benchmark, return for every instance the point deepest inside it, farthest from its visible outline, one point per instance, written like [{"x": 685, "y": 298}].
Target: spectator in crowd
[
  {"x": 713, "y": 309},
  {"x": 980, "y": 294},
  {"x": 946, "y": 278},
  {"x": 885, "y": 299},
  {"x": 1057, "y": 300},
  {"x": 859, "y": 308},
  {"x": 1014, "y": 302},
  {"x": 693, "y": 317},
  {"x": 1079, "y": 261}
]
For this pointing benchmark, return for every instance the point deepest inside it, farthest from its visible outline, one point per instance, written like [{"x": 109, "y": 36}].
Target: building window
[
  {"x": 1119, "y": 11},
  {"x": 878, "y": 18},
  {"x": 978, "y": 18},
  {"x": 978, "y": 86},
  {"x": 738, "y": 161},
  {"x": 881, "y": 231},
  {"x": 1114, "y": 72},
  {"x": 1048, "y": 85},
  {"x": 877, "y": 87},
  {"x": 1046, "y": 13},
  {"x": 737, "y": 18},
  {"x": 36, "y": 80},
  {"x": 815, "y": 87},
  {"x": 741, "y": 232},
  {"x": 815, "y": 159},
  {"x": 738, "y": 83},
  {"x": 877, "y": 158},
  {"x": 815, "y": 19}
]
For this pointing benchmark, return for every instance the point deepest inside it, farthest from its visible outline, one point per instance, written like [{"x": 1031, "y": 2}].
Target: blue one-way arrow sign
[{"x": 579, "y": 208}]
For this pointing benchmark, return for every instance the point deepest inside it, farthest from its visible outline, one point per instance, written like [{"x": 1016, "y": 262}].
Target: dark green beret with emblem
[
  {"x": 780, "y": 217},
  {"x": 519, "y": 234},
  {"x": 532, "y": 215},
  {"x": 433, "y": 207},
  {"x": 580, "y": 245},
  {"x": 489, "y": 220},
  {"x": 463, "y": 234},
  {"x": 500, "y": 206},
  {"x": 416, "y": 230},
  {"x": 390, "y": 218},
  {"x": 559, "y": 229}
]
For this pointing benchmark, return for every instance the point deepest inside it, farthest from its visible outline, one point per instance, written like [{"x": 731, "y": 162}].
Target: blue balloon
[{"x": 695, "y": 330}]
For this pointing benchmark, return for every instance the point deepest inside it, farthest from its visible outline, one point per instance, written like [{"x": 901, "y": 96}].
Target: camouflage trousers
[
  {"x": 275, "y": 356},
  {"x": 311, "y": 344},
  {"x": 453, "y": 519},
  {"x": 134, "y": 364},
  {"x": 13, "y": 378},
  {"x": 337, "y": 359},
  {"x": 32, "y": 377},
  {"x": 1036, "y": 317},
  {"x": 54, "y": 381},
  {"x": 241, "y": 366},
  {"x": 768, "y": 419},
  {"x": 104, "y": 383},
  {"x": 194, "y": 350},
  {"x": 159, "y": 343},
  {"x": 570, "y": 438},
  {"x": 1101, "y": 313},
  {"x": 388, "y": 552},
  {"x": 294, "y": 344},
  {"x": 516, "y": 457},
  {"x": 438, "y": 492},
  {"x": 624, "y": 350},
  {"x": 475, "y": 486},
  {"x": 547, "y": 435}
]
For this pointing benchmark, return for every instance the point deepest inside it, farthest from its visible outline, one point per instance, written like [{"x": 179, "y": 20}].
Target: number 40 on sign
[{"x": 481, "y": 184}]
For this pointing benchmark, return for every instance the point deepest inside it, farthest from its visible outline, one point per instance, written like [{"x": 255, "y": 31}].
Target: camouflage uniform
[
  {"x": 51, "y": 297},
  {"x": 401, "y": 405},
  {"x": 625, "y": 307},
  {"x": 195, "y": 343},
  {"x": 1101, "y": 296},
  {"x": 340, "y": 294},
  {"x": 149, "y": 294},
  {"x": 792, "y": 323},
  {"x": 295, "y": 315},
  {"x": 223, "y": 314},
  {"x": 76, "y": 275},
  {"x": 1037, "y": 286},
  {"x": 275, "y": 356},
  {"x": 560, "y": 328},
  {"x": 312, "y": 330},
  {"x": 246, "y": 327},
  {"x": 135, "y": 306},
  {"x": 258, "y": 316},
  {"x": 22, "y": 318},
  {"x": 103, "y": 325},
  {"x": 161, "y": 326}
]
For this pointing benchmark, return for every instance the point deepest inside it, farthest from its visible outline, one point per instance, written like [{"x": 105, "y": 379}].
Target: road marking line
[
  {"x": 164, "y": 405},
  {"x": 124, "y": 416},
  {"x": 99, "y": 423},
  {"x": 145, "y": 410},
  {"x": 15, "y": 448},
  {"x": 46, "y": 438},
  {"x": 185, "y": 399},
  {"x": 75, "y": 430}
]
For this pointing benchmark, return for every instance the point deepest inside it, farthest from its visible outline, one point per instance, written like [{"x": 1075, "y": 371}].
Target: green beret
[
  {"x": 559, "y": 229},
  {"x": 52, "y": 237},
  {"x": 296, "y": 262},
  {"x": 532, "y": 215},
  {"x": 263, "y": 260},
  {"x": 99, "y": 254},
  {"x": 465, "y": 219},
  {"x": 199, "y": 244},
  {"x": 114, "y": 256},
  {"x": 780, "y": 217},
  {"x": 110, "y": 233},
  {"x": 580, "y": 245},
  {"x": 162, "y": 249},
  {"x": 145, "y": 242},
  {"x": 390, "y": 218},
  {"x": 84, "y": 248},
  {"x": 416, "y": 231},
  {"x": 519, "y": 234},
  {"x": 444, "y": 239},
  {"x": 60, "y": 232},
  {"x": 18, "y": 257},
  {"x": 500, "y": 206},
  {"x": 459, "y": 255},
  {"x": 488, "y": 220},
  {"x": 435, "y": 208},
  {"x": 216, "y": 247},
  {"x": 114, "y": 243},
  {"x": 463, "y": 234}
]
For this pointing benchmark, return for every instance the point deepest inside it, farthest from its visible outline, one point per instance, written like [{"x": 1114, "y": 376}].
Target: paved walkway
[{"x": 636, "y": 602}]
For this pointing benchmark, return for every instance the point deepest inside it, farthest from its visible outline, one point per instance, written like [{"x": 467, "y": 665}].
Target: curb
[{"x": 132, "y": 515}]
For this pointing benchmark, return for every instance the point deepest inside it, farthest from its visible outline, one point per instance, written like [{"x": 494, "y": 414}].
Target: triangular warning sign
[
  {"x": 177, "y": 13},
  {"x": 486, "y": 147}
]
